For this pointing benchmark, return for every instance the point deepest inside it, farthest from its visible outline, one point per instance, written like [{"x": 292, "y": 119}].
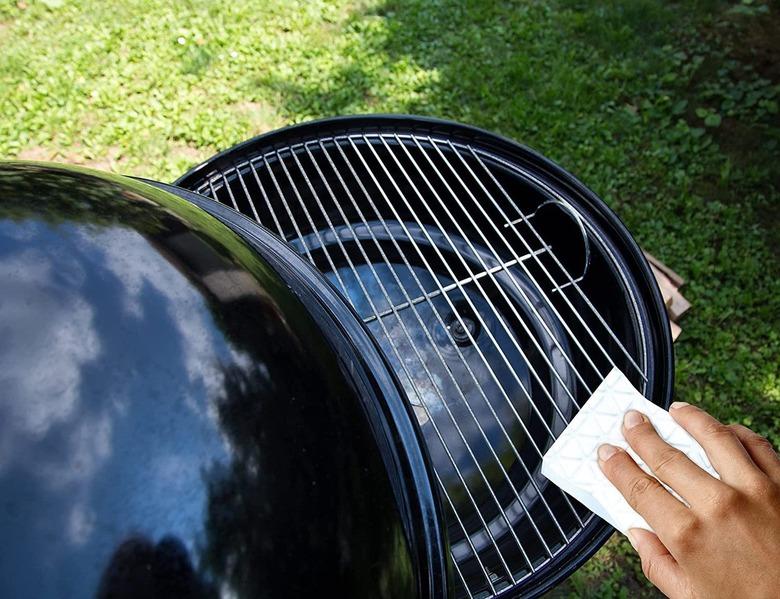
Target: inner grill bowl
[{"x": 501, "y": 291}]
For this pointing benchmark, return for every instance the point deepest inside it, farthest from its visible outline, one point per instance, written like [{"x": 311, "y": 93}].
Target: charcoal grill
[{"x": 499, "y": 288}]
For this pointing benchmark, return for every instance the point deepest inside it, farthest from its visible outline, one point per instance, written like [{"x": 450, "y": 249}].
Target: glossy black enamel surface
[
  {"x": 173, "y": 419},
  {"x": 393, "y": 208}
]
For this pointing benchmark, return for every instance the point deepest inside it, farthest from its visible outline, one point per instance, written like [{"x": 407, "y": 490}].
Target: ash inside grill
[{"x": 495, "y": 297}]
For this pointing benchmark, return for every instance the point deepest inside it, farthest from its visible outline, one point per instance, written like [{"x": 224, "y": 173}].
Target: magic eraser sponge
[{"x": 572, "y": 463}]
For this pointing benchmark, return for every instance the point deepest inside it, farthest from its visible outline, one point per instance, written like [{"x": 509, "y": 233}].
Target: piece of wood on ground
[
  {"x": 676, "y": 279},
  {"x": 669, "y": 282}
]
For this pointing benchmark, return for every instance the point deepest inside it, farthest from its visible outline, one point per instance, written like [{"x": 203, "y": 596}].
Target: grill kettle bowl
[{"x": 501, "y": 291}]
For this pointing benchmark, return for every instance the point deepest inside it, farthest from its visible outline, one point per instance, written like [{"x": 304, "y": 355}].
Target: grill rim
[{"x": 660, "y": 359}]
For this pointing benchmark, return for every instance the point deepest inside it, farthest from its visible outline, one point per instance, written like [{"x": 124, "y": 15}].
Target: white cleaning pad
[{"x": 571, "y": 463}]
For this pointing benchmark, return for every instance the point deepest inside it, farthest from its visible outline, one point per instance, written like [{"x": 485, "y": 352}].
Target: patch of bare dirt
[
  {"x": 262, "y": 116},
  {"x": 36, "y": 154},
  {"x": 188, "y": 155},
  {"x": 111, "y": 160}
]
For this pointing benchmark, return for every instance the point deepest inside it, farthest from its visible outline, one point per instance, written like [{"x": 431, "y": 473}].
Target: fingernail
[
  {"x": 606, "y": 451},
  {"x": 678, "y": 404},
  {"x": 632, "y": 538},
  {"x": 632, "y": 418}
]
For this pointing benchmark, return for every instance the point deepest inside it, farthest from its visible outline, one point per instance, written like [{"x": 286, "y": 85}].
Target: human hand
[{"x": 727, "y": 543}]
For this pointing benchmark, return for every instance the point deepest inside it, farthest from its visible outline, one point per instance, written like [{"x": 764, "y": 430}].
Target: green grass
[{"x": 668, "y": 111}]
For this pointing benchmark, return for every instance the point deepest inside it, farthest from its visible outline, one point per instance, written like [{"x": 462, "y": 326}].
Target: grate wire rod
[
  {"x": 211, "y": 187},
  {"x": 466, "y": 535},
  {"x": 452, "y": 286},
  {"x": 246, "y": 193},
  {"x": 267, "y": 200},
  {"x": 463, "y": 580},
  {"x": 582, "y": 294},
  {"x": 230, "y": 193},
  {"x": 430, "y": 416},
  {"x": 287, "y": 208}
]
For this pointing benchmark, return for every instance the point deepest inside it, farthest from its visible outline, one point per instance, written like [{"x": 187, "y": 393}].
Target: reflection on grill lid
[{"x": 501, "y": 292}]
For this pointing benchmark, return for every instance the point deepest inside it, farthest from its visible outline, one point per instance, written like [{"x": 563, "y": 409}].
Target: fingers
[
  {"x": 657, "y": 563},
  {"x": 643, "y": 492},
  {"x": 724, "y": 450},
  {"x": 760, "y": 450},
  {"x": 669, "y": 464}
]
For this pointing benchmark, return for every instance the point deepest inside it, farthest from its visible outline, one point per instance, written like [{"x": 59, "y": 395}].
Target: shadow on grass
[{"x": 507, "y": 66}]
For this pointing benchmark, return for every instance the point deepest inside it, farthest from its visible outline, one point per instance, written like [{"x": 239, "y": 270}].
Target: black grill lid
[
  {"x": 188, "y": 411},
  {"x": 501, "y": 290}
]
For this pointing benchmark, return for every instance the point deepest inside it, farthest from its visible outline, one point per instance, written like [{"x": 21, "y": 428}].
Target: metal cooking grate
[{"x": 496, "y": 300}]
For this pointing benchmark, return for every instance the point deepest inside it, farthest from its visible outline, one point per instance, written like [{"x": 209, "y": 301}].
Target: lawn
[{"x": 668, "y": 111}]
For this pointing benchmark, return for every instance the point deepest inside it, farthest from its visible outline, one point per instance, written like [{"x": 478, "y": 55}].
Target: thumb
[{"x": 658, "y": 564}]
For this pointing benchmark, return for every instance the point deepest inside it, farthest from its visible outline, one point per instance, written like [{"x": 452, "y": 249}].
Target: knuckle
[
  {"x": 668, "y": 459},
  {"x": 684, "y": 537},
  {"x": 641, "y": 435},
  {"x": 716, "y": 429},
  {"x": 615, "y": 464},
  {"x": 760, "y": 443},
  {"x": 750, "y": 437},
  {"x": 639, "y": 488},
  {"x": 641, "y": 429},
  {"x": 739, "y": 430},
  {"x": 761, "y": 488},
  {"x": 723, "y": 504}
]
